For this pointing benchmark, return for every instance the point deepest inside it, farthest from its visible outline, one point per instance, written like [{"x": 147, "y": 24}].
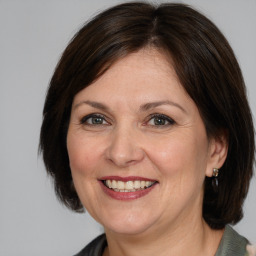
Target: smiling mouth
[{"x": 128, "y": 186}]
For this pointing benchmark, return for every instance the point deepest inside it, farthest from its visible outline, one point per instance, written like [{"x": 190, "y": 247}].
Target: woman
[{"x": 147, "y": 126}]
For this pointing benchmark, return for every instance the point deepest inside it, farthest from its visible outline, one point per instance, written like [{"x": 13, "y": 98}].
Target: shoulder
[
  {"x": 232, "y": 244},
  {"x": 95, "y": 247}
]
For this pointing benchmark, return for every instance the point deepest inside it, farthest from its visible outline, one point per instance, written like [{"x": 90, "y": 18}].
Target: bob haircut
[{"x": 206, "y": 67}]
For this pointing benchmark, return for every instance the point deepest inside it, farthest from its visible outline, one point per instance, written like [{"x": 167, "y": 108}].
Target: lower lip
[{"x": 126, "y": 195}]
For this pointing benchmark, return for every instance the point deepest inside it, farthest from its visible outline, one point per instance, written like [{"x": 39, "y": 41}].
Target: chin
[
  {"x": 129, "y": 224},
  {"x": 127, "y": 229}
]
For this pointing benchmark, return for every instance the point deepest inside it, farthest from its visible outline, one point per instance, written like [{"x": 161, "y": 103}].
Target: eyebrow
[
  {"x": 151, "y": 105},
  {"x": 93, "y": 104},
  {"x": 144, "y": 107}
]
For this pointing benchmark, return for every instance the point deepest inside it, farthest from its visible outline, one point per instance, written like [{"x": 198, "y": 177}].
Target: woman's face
[{"x": 138, "y": 148}]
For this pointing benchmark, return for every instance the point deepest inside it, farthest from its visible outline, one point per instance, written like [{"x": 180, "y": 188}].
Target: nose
[{"x": 124, "y": 148}]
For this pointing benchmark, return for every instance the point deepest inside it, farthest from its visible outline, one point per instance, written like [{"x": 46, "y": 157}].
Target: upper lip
[{"x": 125, "y": 179}]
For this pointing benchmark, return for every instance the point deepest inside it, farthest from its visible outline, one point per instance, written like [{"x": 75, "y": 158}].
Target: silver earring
[{"x": 215, "y": 182}]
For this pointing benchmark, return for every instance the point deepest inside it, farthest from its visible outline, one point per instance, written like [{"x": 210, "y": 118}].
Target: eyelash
[
  {"x": 85, "y": 119},
  {"x": 163, "y": 117},
  {"x": 170, "y": 121}
]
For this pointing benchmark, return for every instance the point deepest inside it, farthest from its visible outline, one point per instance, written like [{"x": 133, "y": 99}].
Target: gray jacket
[{"x": 232, "y": 244}]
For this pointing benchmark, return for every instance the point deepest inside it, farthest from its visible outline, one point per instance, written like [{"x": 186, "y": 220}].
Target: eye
[
  {"x": 94, "y": 119},
  {"x": 160, "y": 120}
]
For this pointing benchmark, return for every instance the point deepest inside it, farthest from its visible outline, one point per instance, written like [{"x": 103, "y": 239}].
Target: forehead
[
  {"x": 147, "y": 61},
  {"x": 145, "y": 72}
]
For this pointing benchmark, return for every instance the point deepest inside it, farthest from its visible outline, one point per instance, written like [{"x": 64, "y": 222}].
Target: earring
[{"x": 215, "y": 182}]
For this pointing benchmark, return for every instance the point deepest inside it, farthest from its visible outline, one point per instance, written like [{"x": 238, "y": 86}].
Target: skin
[{"x": 127, "y": 142}]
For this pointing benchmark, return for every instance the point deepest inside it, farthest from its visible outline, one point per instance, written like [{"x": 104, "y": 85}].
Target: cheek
[
  {"x": 170, "y": 158},
  {"x": 180, "y": 155},
  {"x": 83, "y": 156}
]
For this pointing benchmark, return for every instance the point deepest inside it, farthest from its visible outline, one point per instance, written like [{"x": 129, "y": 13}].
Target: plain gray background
[{"x": 33, "y": 35}]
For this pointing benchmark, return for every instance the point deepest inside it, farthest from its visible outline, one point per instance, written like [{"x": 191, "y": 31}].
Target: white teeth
[
  {"x": 108, "y": 183},
  {"x": 136, "y": 184},
  {"x": 129, "y": 186},
  {"x": 114, "y": 184},
  {"x": 120, "y": 185}
]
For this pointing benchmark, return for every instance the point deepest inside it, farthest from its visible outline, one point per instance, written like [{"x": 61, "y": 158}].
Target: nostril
[
  {"x": 125, "y": 156},
  {"x": 124, "y": 147}
]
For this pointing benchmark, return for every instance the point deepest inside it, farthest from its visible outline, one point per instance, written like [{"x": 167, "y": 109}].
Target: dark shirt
[{"x": 232, "y": 244}]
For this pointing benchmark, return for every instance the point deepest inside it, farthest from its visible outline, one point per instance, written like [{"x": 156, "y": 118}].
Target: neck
[{"x": 191, "y": 239}]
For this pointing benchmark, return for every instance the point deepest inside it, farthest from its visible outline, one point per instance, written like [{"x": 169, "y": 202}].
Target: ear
[{"x": 217, "y": 153}]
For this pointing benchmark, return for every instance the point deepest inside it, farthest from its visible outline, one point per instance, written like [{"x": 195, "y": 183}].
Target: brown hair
[{"x": 206, "y": 67}]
